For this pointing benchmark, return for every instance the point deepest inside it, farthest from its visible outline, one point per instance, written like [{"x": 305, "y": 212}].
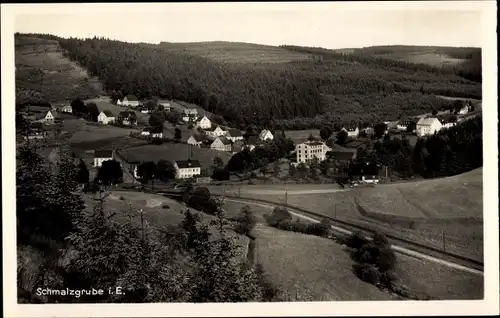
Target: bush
[
  {"x": 165, "y": 206},
  {"x": 122, "y": 198},
  {"x": 386, "y": 260},
  {"x": 356, "y": 240},
  {"x": 380, "y": 240},
  {"x": 279, "y": 214},
  {"x": 319, "y": 229},
  {"x": 368, "y": 273}
]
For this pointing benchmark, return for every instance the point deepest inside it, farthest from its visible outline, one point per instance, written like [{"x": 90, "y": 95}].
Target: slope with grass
[{"x": 44, "y": 74}]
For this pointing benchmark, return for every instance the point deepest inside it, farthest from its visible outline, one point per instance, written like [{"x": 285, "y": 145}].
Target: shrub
[
  {"x": 279, "y": 214},
  {"x": 246, "y": 221},
  {"x": 380, "y": 240},
  {"x": 368, "y": 273},
  {"x": 386, "y": 260},
  {"x": 368, "y": 253},
  {"x": 122, "y": 198},
  {"x": 356, "y": 240},
  {"x": 389, "y": 278},
  {"x": 285, "y": 225},
  {"x": 165, "y": 206},
  {"x": 319, "y": 229}
]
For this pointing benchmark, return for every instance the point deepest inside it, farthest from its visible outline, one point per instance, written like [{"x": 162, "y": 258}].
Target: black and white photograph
[{"x": 256, "y": 156}]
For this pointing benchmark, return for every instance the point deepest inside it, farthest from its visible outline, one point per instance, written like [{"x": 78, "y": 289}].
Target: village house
[
  {"x": 403, "y": 124},
  {"x": 130, "y": 101},
  {"x": 214, "y": 132},
  {"x": 464, "y": 110},
  {"x": 352, "y": 131},
  {"x": 448, "y": 122},
  {"x": 204, "y": 123},
  {"x": 369, "y": 131},
  {"x": 311, "y": 149},
  {"x": 346, "y": 155},
  {"x": 234, "y": 134},
  {"x": 156, "y": 132},
  {"x": 165, "y": 105},
  {"x": 185, "y": 169},
  {"x": 221, "y": 144},
  {"x": 67, "y": 109},
  {"x": 106, "y": 117},
  {"x": 102, "y": 155},
  {"x": 428, "y": 126},
  {"x": 364, "y": 173},
  {"x": 127, "y": 118},
  {"x": 196, "y": 140},
  {"x": 266, "y": 135},
  {"x": 145, "y": 132},
  {"x": 190, "y": 111},
  {"x": 50, "y": 118}
]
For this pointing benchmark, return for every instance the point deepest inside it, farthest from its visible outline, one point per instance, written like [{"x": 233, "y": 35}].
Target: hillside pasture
[
  {"x": 430, "y": 58},
  {"x": 174, "y": 152},
  {"x": 42, "y": 67},
  {"x": 236, "y": 52},
  {"x": 91, "y": 133},
  {"x": 310, "y": 268}
]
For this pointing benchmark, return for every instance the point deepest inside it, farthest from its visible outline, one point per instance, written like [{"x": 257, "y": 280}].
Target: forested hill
[{"x": 296, "y": 94}]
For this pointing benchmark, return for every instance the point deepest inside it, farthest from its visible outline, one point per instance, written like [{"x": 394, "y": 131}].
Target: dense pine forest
[{"x": 292, "y": 95}]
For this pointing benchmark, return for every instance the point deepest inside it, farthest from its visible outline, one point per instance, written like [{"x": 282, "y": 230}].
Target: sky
[{"x": 327, "y": 24}]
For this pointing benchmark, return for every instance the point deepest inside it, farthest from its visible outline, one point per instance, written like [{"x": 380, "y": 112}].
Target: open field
[
  {"x": 310, "y": 268},
  {"x": 173, "y": 152},
  {"x": 41, "y": 67},
  {"x": 423, "y": 211},
  {"x": 236, "y": 52},
  {"x": 90, "y": 133},
  {"x": 439, "y": 281}
]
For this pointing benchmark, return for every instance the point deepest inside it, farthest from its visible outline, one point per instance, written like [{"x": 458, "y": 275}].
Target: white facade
[
  {"x": 311, "y": 149},
  {"x": 464, "y": 110},
  {"x": 187, "y": 172},
  {"x": 157, "y": 135},
  {"x": 145, "y": 133},
  {"x": 266, "y": 135},
  {"x": 236, "y": 135},
  {"x": 193, "y": 141},
  {"x": 67, "y": 109},
  {"x": 130, "y": 103},
  {"x": 205, "y": 123},
  {"x": 448, "y": 125},
  {"x": 104, "y": 119},
  {"x": 217, "y": 132},
  {"x": 352, "y": 132},
  {"x": 401, "y": 127},
  {"x": 49, "y": 118},
  {"x": 428, "y": 126},
  {"x": 119, "y": 102},
  {"x": 219, "y": 145},
  {"x": 98, "y": 161}
]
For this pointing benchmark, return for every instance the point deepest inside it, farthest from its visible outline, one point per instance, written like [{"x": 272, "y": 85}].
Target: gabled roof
[
  {"x": 54, "y": 114},
  {"x": 350, "y": 127},
  {"x": 131, "y": 97},
  {"x": 224, "y": 140},
  {"x": 199, "y": 137},
  {"x": 108, "y": 113},
  {"x": 183, "y": 164},
  {"x": 103, "y": 154},
  {"x": 126, "y": 113},
  {"x": 264, "y": 132},
  {"x": 427, "y": 121},
  {"x": 406, "y": 121},
  {"x": 234, "y": 132}
]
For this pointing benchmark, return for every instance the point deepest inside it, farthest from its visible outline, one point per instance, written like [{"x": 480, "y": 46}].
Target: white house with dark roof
[
  {"x": 106, "y": 117},
  {"x": 50, "y": 117},
  {"x": 190, "y": 111},
  {"x": 130, "y": 101},
  {"x": 352, "y": 131},
  {"x": 428, "y": 126},
  {"x": 214, "y": 132},
  {"x": 185, "y": 169},
  {"x": 196, "y": 140},
  {"x": 234, "y": 134},
  {"x": 221, "y": 144},
  {"x": 448, "y": 122},
  {"x": 145, "y": 132},
  {"x": 68, "y": 109},
  {"x": 311, "y": 149},
  {"x": 102, "y": 155},
  {"x": 204, "y": 123},
  {"x": 266, "y": 135}
]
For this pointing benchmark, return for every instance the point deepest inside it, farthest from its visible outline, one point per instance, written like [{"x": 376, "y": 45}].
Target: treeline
[
  {"x": 294, "y": 94},
  {"x": 470, "y": 68},
  {"x": 449, "y": 152},
  {"x": 62, "y": 244}
]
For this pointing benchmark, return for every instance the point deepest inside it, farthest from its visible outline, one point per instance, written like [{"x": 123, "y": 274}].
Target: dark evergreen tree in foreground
[{"x": 110, "y": 173}]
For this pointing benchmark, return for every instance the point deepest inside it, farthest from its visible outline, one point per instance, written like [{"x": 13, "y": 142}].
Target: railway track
[{"x": 400, "y": 245}]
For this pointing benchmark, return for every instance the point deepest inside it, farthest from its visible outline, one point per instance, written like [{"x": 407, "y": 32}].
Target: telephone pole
[
  {"x": 286, "y": 197},
  {"x": 444, "y": 240}
]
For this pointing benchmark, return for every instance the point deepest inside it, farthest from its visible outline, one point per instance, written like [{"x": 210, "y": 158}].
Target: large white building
[
  {"x": 352, "y": 131},
  {"x": 311, "y": 149},
  {"x": 102, "y": 155},
  {"x": 187, "y": 169},
  {"x": 428, "y": 126}
]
